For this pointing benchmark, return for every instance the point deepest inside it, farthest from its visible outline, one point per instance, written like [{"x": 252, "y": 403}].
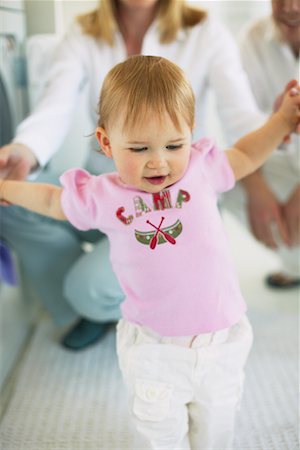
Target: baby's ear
[{"x": 103, "y": 141}]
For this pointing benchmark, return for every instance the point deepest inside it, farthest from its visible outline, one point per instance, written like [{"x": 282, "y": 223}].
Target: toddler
[{"x": 184, "y": 337}]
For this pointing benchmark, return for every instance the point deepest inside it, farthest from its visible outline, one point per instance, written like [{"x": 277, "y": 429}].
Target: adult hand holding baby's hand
[
  {"x": 293, "y": 89},
  {"x": 16, "y": 162}
]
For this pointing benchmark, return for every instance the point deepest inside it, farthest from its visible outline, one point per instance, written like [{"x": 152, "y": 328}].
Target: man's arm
[
  {"x": 264, "y": 210},
  {"x": 291, "y": 213}
]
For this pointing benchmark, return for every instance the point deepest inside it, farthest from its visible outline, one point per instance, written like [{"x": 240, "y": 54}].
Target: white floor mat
[{"x": 76, "y": 401}]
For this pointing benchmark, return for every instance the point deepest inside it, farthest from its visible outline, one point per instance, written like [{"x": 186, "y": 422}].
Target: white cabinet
[
  {"x": 54, "y": 16},
  {"x": 12, "y": 4}
]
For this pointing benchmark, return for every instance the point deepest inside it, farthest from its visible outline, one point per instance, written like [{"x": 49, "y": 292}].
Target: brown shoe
[{"x": 282, "y": 281}]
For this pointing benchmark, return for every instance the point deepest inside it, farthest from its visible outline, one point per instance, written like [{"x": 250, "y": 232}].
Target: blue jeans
[{"x": 69, "y": 281}]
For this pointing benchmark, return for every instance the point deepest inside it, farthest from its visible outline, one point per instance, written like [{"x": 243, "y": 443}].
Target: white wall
[
  {"x": 67, "y": 10},
  {"x": 53, "y": 16},
  {"x": 40, "y": 17},
  {"x": 235, "y": 13}
]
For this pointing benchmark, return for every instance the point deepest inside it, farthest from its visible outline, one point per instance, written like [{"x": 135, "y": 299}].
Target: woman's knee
[{"x": 92, "y": 288}]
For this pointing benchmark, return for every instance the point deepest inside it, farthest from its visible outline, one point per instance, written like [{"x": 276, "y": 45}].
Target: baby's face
[{"x": 152, "y": 156}]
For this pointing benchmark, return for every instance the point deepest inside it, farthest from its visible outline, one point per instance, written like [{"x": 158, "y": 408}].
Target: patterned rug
[{"x": 69, "y": 401}]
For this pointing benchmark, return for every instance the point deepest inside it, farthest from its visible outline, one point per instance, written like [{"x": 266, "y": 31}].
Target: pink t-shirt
[{"x": 169, "y": 250}]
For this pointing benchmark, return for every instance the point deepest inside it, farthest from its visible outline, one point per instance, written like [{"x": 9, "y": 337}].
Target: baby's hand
[{"x": 3, "y": 202}]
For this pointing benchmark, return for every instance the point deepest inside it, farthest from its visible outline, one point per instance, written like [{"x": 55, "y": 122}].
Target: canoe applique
[{"x": 161, "y": 235}]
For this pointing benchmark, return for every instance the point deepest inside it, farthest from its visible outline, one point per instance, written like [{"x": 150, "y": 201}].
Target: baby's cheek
[{"x": 130, "y": 169}]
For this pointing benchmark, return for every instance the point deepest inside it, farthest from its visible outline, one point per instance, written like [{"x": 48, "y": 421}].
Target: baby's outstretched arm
[
  {"x": 38, "y": 197},
  {"x": 251, "y": 151}
]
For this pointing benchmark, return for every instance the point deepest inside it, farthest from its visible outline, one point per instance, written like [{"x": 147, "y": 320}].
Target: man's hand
[
  {"x": 16, "y": 162},
  {"x": 265, "y": 212},
  {"x": 290, "y": 87},
  {"x": 291, "y": 213}
]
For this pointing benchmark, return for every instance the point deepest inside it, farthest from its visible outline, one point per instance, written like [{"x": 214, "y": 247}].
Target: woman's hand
[
  {"x": 291, "y": 213},
  {"x": 16, "y": 162}
]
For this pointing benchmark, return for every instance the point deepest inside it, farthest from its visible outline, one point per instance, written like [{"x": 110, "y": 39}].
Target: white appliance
[
  {"x": 13, "y": 89},
  {"x": 16, "y": 315}
]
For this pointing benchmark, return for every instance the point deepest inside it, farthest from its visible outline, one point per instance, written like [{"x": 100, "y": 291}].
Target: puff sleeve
[
  {"x": 215, "y": 165},
  {"x": 80, "y": 198}
]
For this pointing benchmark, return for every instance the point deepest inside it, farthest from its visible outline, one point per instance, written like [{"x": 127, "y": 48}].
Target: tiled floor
[{"x": 253, "y": 262}]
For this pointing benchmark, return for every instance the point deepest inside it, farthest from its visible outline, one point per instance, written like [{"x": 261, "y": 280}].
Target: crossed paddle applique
[
  {"x": 161, "y": 235},
  {"x": 166, "y": 235}
]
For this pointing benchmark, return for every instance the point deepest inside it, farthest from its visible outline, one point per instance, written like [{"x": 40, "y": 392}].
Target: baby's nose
[{"x": 157, "y": 162}]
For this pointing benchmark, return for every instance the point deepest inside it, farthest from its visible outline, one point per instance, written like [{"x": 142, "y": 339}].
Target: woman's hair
[
  {"x": 144, "y": 85},
  {"x": 173, "y": 15}
]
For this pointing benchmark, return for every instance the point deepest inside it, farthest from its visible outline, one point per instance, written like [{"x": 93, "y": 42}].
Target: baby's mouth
[{"x": 156, "y": 180}]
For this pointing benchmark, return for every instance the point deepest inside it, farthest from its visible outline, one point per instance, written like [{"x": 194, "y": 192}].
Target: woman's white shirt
[{"x": 206, "y": 52}]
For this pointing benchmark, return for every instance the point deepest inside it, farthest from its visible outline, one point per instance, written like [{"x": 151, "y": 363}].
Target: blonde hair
[
  {"x": 173, "y": 15},
  {"x": 142, "y": 85}
]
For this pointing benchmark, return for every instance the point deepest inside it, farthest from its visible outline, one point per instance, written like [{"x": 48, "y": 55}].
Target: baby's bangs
[
  {"x": 144, "y": 85},
  {"x": 137, "y": 117}
]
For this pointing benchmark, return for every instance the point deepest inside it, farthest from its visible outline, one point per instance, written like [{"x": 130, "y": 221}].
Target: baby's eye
[
  {"x": 138, "y": 149},
  {"x": 173, "y": 147}
]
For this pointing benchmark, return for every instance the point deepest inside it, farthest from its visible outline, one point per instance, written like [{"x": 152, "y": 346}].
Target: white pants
[
  {"x": 184, "y": 392},
  {"x": 282, "y": 174}
]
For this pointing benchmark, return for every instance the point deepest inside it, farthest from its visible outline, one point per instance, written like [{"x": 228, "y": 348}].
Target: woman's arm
[
  {"x": 41, "y": 198},
  {"x": 44, "y": 130},
  {"x": 236, "y": 105}
]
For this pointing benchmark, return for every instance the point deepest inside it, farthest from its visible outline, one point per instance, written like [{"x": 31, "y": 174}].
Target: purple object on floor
[{"x": 8, "y": 273}]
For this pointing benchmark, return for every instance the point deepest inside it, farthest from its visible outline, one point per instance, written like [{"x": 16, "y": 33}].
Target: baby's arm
[
  {"x": 38, "y": 197},
  {"x": 251, "y": 151}
]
